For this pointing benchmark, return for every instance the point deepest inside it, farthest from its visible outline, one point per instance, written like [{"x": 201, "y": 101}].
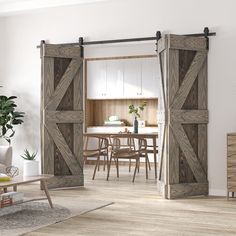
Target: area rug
[{"x": 20, "y": 219}]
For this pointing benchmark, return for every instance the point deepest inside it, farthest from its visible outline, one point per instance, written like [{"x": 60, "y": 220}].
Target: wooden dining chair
[
  {"x": 125, "y": 147},
  {"x": 143, "y": 153},
  {"x": 95, "y": 146}
]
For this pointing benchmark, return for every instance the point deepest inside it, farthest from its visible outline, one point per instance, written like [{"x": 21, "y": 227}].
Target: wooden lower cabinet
[{"x": 231, "y": 164}]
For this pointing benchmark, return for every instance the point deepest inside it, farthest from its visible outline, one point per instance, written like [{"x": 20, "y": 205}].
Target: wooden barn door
[
  {"x": 62, "y": 115},
  {"x": 184, "y": 116}
]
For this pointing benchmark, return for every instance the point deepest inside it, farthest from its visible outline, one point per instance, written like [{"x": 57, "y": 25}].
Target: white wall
[{"x": 20, "y": 62}]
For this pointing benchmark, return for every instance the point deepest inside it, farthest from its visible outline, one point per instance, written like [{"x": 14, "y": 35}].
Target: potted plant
[
  {"x": 9, "y": 117},
  {"x": 31, "y": 166},
  {"x": 136, "y": 112}
]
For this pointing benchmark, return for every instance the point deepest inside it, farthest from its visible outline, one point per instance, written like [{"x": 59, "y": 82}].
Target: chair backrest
[
  {"x": 128, "y": 142},
  {"x": 95, "y": 143}
]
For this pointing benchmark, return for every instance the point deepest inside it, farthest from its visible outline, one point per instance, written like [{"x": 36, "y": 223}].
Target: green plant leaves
[
  {"x": 9, "y": 117},
  {"x": 136, "y": 110},
  {"x": 28, "y": 156},
  {"x": 4, "y": 130}
]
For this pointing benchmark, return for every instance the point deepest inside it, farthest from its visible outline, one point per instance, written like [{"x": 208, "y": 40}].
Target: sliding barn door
[
  {"x": 184, "y": 116},
  {"x": 62, "y": 115}
]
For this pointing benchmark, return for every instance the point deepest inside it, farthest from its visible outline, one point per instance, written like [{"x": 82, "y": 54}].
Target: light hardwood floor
[{"x": 138, "y": 210}]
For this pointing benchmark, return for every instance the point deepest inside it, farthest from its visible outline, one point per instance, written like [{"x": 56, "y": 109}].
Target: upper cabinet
[
  {"x": 115, "y": 79},
  {"x": 132, "y": 78},
  {"x": 123, "y": 78},
  {"x": 96, "y": 79},
  {"x": 150, "y": 77}
]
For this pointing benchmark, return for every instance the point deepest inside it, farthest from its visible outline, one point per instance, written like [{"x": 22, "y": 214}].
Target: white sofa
[{"x": 5, "y": 158}]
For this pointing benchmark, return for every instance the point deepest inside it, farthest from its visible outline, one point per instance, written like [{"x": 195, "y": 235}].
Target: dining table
[{"x": 149, "y": 136}]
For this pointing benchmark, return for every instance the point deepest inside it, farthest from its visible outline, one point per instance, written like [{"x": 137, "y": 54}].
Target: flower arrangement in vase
[{"x": 136, "y": 112}]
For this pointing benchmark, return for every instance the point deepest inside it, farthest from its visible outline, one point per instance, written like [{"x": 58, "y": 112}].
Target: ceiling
[{"x": 15, "y": 6}]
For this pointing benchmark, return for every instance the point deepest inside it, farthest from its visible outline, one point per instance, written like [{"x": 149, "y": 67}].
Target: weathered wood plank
[
  {"x": 187, "y": 43},
  {"x": 189, "y": 153},
  {"x": 188, "y": 116},
  {"x": 173, "y": 78},
  {"x": 173, "y": 159},
  {"x": 162, "y": 44},
  {"x": 52, "y": 50},
  {"x": 202, "y": 146},
  {"x": 162, "y": 151},
  {"x": 187, "y": 189},
  {"x": 65, "y": 180},
  {"x": 202, "y": 104},
  {"x": 162, "y": 126},
  {"x": 64, "y": 116},
  {"x": 64, "y": 83},
  {"x": 185, "y": 59},
  {"x": 231, "y": 161},
  {"x": 202, "y": 86},
  {"x": 78, "y": 105},
  {"x": 162, "y": 63},
  {"x": 47, "y": 142},
  {"x": 61, "y": 144},
  {"x": 231, "y": 139},
  {"x": 188, "y": 81},
  {"x": 173, "y": 74},
  {"x": 60, "y": 67}
]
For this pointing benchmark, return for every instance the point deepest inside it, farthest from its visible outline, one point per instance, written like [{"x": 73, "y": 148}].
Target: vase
[
  {"x": 31, "y": 168},
  {"x": 135, "y": 124}
]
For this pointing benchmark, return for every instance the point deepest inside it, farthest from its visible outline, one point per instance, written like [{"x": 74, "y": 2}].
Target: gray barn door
[
  {"x": 183, "y": 116},
  {"x": 62, "y": 115}
]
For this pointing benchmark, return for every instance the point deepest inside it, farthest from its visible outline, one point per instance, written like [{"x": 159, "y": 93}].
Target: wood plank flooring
[{"x": 138, "y": 210}]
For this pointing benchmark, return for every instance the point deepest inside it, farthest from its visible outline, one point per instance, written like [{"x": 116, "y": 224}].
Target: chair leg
[
  {"x": 85, "y": 160},
  {"x": 146, "y": 163},
  {"x": 104, "y": 163},
  {"x": 117, "y": 168},
  {"x": 149, "y": 164},
  {"x": 108, "y": 167},
  {"x": 129, "y": 165},
  {"x": 138, "y": 166},
  {"x": 99, "y": 164},
  {"x": 96, "y": 166},
  {"x": 135, "y": 170}
]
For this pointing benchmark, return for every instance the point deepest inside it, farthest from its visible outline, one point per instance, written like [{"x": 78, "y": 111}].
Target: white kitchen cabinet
[
  {"x": 132, "y": 78},
  {"x": 115, "y": 79},
  {"x": 123, "y": 78},
  {"x": 150, "y": 77},
  {"x": 141, "y": 78},
  {"x": 96, "y": 79}
]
